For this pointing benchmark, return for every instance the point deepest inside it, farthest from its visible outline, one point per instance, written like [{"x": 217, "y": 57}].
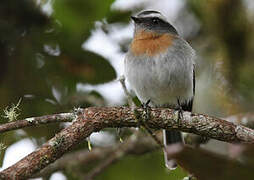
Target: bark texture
[{"x": 94, "y": 119}]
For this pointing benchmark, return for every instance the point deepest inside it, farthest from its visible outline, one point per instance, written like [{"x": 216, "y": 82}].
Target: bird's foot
[
  {"x": 146, "y": 104},
  {"x": 146, "y": 117},
  {"x": 147, "y": 109},
  {"x": 179, "y": 110},
  {"x": 180, "y": 116}
]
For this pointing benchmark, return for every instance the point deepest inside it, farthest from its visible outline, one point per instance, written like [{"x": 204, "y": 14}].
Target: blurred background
[{"x": 61, "y": 54}]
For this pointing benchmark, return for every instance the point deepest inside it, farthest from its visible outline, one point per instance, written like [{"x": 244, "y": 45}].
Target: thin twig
[
  {"x": 132, "y": 105},
  {"x": 139, "y": 145},
  {"x": 126, "y": 92},
  {"x": 153, "y": 135},
  {"x": 35, "y": 121},
  {"x": 119, "y": 152}
]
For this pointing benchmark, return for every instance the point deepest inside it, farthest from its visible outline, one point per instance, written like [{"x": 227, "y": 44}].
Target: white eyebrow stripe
[
  {"x": 158, "y": 15},
  {"x": 151, "y": 15}
]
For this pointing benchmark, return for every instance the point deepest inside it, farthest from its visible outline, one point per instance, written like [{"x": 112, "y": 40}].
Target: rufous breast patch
[{"x": 148, "y": 43}]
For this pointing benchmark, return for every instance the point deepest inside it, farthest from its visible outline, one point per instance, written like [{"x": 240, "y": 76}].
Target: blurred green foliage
[
  {"x": 40, "y": 54},
  {"x": 227, "y": 28},
  {"x": 148, "y": 166}
]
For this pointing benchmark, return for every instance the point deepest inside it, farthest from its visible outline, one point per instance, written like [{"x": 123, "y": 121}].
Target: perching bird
[{"x": 159, "y": 67}]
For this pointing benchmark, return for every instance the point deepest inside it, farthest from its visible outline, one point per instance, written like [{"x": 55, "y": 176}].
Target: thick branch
[{"x": 94, "y": 119}]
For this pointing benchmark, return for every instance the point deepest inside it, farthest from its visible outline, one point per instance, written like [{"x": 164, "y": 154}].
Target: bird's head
[{"x": 153, "y": 21}]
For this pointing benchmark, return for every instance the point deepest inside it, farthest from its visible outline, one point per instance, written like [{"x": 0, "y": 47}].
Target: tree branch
[
  {"x": 97, "y": 118},
  {"x": 35, "y": 121},
  {"x": 136, "y": 144}
]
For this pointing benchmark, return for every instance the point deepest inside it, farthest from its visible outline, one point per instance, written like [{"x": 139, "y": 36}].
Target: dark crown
[{"x": 154, "y": 21}]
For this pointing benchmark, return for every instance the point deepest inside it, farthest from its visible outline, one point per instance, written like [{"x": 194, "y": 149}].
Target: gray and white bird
[{"x": 159, "y": 67}]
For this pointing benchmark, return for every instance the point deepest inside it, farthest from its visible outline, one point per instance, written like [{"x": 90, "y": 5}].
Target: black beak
[{"x": 136, "y": 19}]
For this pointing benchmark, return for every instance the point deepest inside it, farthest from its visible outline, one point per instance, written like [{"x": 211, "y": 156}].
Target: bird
[{"x": 160, "y": 68}]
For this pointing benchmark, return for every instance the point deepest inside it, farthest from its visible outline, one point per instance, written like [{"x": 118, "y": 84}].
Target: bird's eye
[{"x": 155, "y": 20}]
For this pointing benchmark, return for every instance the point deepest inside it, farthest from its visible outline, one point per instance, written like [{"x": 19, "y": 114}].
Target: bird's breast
[
  {"x": 163, "y": 77},
  {"x": 150, "y": 44}
]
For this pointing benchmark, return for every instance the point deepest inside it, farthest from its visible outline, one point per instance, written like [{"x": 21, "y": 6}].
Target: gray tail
[{"x": 171, "y": 137}]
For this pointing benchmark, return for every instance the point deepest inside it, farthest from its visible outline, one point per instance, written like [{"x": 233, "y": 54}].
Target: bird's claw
[
  {"x": 179, "y": 110},
  {"x": 146, "y": 108},
  {"x": 146, "y": 104},
  {"x": 179, "y": 113}
]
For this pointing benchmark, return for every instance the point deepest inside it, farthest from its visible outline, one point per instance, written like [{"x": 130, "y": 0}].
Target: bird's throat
[{"x": 150, "y": 44}]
